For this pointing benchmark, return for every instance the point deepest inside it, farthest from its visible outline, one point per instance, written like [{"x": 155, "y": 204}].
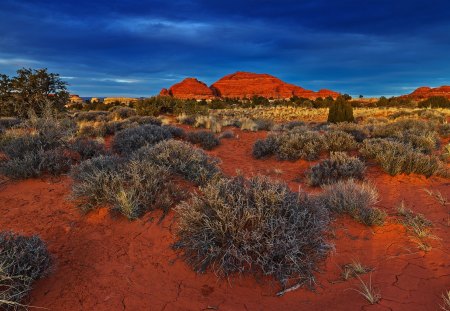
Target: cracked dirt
[{"x": 105, "y": 262}]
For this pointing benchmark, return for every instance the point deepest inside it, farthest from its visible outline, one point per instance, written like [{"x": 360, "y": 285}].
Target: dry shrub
[
  {"x": 130, "y": 187},
  {"x": 294, "y": 144},
  {"x": 340, "y": 141},
  {"x": 248, "y": 125},
  {"x": 87, "y": 148},
  {"x": 340, "y": 166},
  {"x": 356, "y": 200},
  {"x": 299, "y": 144},
  {"x": 206, "y": 139},
  {"x": 23, "y": 260},
  {"x": 255, "y": 225},
  {"x": 121, "y": 113},
  {"x": 421, "y": 135},
  {"x": 395, "y": 158},
  {"x": 183, "y": 159},
  {"x": 226, "y": 135},
  {"x": 129, "y": 140}
]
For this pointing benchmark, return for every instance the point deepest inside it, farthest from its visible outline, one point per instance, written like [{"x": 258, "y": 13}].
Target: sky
[{"x": 135, "y": 48}]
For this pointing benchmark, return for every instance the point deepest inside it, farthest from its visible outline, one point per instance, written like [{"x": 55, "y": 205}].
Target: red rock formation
[
  {"x": 189, "y": 88},
  {"x": 246, "y": 84},
  {"x": 243, "y": 85},
  {"x": 427, "y": 92}
]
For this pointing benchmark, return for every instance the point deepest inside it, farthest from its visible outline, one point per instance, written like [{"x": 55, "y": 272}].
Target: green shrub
[
  {"x": 254, "y": 225},
  {"x": 181, "y": 158},
  {"x": 23, "y": 260},
  {"x": 206, "y": 139},
  {"x": 356, "y": 200},
  {"x": 340, "y": 111},
  {"x": 339, "y": 166}
]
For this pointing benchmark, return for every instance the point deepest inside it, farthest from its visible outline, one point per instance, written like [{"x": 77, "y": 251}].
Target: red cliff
[{"x": 243, "y": 85}]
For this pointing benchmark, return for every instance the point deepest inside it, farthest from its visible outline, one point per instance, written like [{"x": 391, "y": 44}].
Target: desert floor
[{"x": 105, "y": 262}]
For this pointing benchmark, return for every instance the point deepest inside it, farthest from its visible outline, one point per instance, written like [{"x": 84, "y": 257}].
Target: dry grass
[
  {"x": 368, "y": 291},
  {"x": 354, "y": 269},
  {"x": 446, "y": 301},
  {"x": 418, "y": 226}
]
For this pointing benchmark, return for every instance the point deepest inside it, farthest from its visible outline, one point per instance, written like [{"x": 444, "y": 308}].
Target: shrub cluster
[
  {"x": 339, "y": 166},
  {"x": 421, "y": 135},
  {"x": 23, "y": 260},
  {"x": 396, "y": 158},
  {"x": 37, "y": 147},
  {"x": 255, "y": 225},
  {"x": 206, "y": 139},
  {"x": 356, "y": 200}
]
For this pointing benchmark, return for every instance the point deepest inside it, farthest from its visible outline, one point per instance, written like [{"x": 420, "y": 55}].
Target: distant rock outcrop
[
  {"x": 119, "y": 100},
  {"x": 189, "y": 88},
  {"x": 75, "y": 99},
  {"x": 425, "y": 92},
  {"x": 242, "y": 85}
]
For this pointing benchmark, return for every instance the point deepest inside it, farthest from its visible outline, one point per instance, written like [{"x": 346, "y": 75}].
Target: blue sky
[{"x": 134, "y": 48}]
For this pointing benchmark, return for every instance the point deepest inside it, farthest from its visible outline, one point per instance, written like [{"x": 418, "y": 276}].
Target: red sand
[{"x": 104, "y": 262}]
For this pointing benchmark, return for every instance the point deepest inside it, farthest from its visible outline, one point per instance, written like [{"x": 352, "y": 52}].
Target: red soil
[
  {"x": 242, "y": 85},
  {"x": 104, "y": 262}
]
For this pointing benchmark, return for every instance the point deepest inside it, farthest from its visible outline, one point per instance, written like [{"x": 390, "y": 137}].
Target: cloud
[{"x": 138, "y": 47}]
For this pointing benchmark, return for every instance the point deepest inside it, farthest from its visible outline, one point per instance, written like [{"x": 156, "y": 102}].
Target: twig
[{"x": 292, "y": 288}]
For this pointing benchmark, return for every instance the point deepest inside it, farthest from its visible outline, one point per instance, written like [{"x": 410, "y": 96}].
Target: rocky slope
[{"x": 242, "y": 85}]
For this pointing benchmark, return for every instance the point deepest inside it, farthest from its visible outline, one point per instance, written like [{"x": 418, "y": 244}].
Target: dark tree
[
  {"x": 340, "y": 111},
  {"x": 32, "y": 91}
]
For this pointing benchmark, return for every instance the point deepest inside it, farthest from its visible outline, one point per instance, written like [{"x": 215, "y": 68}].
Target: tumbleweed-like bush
[
  {"x": 23, "y": 260},
  {"x": 181, "y": 158},
  {"x": 129, "y": 187},
  {"x": 338, "y": 167},
  {"x": 255, "y": 225}
]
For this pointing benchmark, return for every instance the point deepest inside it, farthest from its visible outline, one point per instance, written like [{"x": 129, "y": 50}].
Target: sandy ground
[{"x": 105, "y": 262}]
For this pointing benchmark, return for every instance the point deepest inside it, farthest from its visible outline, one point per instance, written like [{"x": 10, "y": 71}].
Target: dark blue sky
[{"x": 134, "y": 48}]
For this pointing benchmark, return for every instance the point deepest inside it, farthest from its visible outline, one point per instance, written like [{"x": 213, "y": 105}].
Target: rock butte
[
  {"x": 425, "y": 92},
  {"x": 189, "y": 88},
  {"x": 242, "y": 85}
]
